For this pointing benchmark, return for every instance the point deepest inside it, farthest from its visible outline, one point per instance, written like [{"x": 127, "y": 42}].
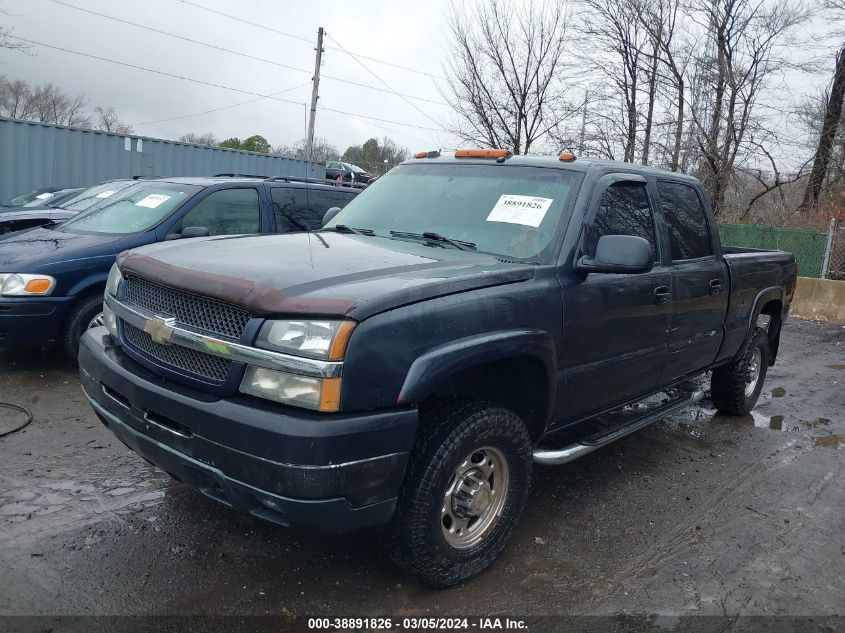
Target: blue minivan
[{"x": 52, "y": 278}]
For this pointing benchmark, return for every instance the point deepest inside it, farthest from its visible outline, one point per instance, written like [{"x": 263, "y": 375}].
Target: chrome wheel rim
[
  {"x": 475, "y": 498},
  {"x": 97, "y": 321},
  {"x": 753, "y": 372}
]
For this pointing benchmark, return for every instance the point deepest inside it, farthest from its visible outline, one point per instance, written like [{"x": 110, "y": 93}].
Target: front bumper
[
  {"x": 31, "y": 321},
  {"x": 331, "y": 473}
]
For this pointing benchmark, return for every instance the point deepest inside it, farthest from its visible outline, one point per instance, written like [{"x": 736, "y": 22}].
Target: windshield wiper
[
  {"x": 342, "y": 228},
  {"x": 436, "y": 237}
]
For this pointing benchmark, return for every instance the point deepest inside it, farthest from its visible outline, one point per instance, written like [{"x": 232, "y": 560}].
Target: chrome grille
[
  {"x": 212, "y": 368},
  {"x": 193, "y": 312}
]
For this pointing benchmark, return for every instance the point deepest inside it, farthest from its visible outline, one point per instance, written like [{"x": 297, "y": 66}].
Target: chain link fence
[{"x": 808, "y": 245}]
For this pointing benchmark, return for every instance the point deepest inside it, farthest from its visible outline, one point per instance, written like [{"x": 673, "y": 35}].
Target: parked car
[
  {"x": 461, "y": 319},
  {"x": 22, "y": 199},
  {"x": 32, "y": 215},
  {"x": 346, "y": 172},
  {"x": 54, "y": 199},
  {"x": 52, "y": 278}
]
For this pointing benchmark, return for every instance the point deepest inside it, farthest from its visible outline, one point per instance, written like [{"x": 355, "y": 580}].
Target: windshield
[
  {"x": 508, "y": 210},
  {"x": 39, "y": 196},
  {"x": 91, "y": 196},
  {"x": 354, "y": 168},
  {"x": 134, "y": 209}
]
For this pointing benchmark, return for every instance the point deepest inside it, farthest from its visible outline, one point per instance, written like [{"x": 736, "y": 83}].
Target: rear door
[
  {"x": 699, "y": 280},
  {"x": 615, "y": 326}
]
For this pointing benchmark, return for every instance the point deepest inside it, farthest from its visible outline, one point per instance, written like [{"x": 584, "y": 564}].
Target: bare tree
[
  {"x": 660, "y": 19},
  {"x": 831, "y": 122},
  {"x": 108, "y": 121},
  {"x": 613, "y": 25},
  {"x": 200, "y": 139},
  {"x": 322, "y": 150},
  {"x": 50, "y": 105},
  {"x": 505, "y": 72},
  {"x": 743, "y": 36}
]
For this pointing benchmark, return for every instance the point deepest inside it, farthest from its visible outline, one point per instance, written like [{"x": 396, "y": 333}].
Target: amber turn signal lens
[
  {"x": 38, "y": 286},
  {"x": 330, "y": 395},
  {"x": 481, "y": 153},
  {"x": 337, "y": 349}
]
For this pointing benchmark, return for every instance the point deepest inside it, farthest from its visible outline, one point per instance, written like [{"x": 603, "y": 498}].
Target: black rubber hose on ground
[{"x": 23, "y": 410}]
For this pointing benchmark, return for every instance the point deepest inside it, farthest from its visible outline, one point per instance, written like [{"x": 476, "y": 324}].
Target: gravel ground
[{"x": 697, "y": 514}]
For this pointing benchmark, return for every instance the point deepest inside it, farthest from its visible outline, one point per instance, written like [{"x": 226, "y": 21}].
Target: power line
[
  {"x": 234, "y": 105},
  {"x": 233, "y": 52},
  {"x": 305, "y": 39},
  {"x": 374, "y": 118},
  {"x": 388, "y": 86},
  {"x": 157, "y": 72},
  {"x": 214, "y": 85}
]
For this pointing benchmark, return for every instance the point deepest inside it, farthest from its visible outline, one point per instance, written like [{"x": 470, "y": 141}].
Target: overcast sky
[
  {"x": 404, "y": 33},
  {"x": 407, "y": 34}
]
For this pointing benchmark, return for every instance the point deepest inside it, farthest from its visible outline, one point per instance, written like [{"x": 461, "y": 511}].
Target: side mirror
[
  {"x": 620, "y": 254},
  {"x": 194, "y": 231},
  {"x": 330, "y": 215},
  {"x": 187, "y": 232}
]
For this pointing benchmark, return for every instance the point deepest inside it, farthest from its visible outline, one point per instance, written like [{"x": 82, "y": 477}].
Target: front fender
[{"x": 437, "y": 364}]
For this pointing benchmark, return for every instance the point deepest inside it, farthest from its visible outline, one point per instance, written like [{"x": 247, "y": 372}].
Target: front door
[{"x": 615, "y": 326}]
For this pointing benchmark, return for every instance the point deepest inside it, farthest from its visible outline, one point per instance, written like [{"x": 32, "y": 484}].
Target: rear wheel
[
  {"x": 735, "y": 388},
  {"x": 464, "y": 489},
  {"x": 86, "y": 313}
]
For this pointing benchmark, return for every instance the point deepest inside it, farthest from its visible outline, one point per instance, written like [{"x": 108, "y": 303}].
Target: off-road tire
[
  {"x": 448, "y": 433},
  {"x": 80, "y": 315},
  {"x": 727, "y": 385}
]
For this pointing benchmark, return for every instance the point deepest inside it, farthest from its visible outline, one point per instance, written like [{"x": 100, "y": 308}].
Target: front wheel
[
  {"x": 85, "y": 314},
  {"x": 735, "y": 388},
  {"x": 464, "y": 489}
]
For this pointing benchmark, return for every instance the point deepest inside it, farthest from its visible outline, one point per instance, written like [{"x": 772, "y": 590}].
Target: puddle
[
  {"x": 778, "y": 392},
  {"x": 836, "y": 366},
  {"x": 753, "y": 419},
  {"x": 828, "y": 441}
]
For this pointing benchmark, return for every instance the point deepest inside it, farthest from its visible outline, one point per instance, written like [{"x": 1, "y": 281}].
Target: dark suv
[{"x": 52, "y": 278}]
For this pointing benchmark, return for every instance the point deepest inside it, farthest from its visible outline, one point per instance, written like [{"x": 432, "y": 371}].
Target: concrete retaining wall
[{"x": 822, "y": 299}]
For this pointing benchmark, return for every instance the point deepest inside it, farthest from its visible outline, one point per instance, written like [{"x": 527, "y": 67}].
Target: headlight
[
  {"x": 325, "y": 340},
  {"x": 114, "y": 280},
  {"x": 23, "y": 285},
  {"x": 322, "y": 394}
]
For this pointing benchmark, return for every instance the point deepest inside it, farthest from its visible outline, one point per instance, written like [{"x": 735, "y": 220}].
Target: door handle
[
  {"x": 715, "y": 286},
  {"x": 662, "y": 295}
]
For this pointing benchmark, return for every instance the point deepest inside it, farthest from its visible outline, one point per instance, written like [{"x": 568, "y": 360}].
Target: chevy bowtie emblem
[{"x": 160, "y": 329}]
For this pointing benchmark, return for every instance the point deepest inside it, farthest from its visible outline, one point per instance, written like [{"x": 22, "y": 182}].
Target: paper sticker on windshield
[
  {"x": 152, "y": 200},
  {"x": 525, "y": 210},
  {"x": 105, "y": 194},
  {"x": 43, "y": 195}
]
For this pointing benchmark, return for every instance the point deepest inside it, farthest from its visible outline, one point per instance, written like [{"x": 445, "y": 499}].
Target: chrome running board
[{"x": 554, "y": 457}]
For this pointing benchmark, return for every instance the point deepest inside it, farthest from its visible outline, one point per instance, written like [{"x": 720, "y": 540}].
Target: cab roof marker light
[
  {"x": 435, "y": 153},
  {"x": 566, "y": 157},
  {"x": 482, "y": 153}
]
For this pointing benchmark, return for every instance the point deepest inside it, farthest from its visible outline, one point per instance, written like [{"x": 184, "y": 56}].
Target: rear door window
[
  {"x": 225, "y": 212},
  {"x": 686, "y": 221},
  {"x": 290, "y": 207}
]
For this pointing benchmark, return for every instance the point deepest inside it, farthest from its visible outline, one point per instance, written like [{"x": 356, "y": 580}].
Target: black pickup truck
[{"x": 463, "y": 318}]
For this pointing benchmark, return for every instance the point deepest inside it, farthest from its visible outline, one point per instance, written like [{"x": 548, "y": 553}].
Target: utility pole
[{"x": 315, "y": 94}]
